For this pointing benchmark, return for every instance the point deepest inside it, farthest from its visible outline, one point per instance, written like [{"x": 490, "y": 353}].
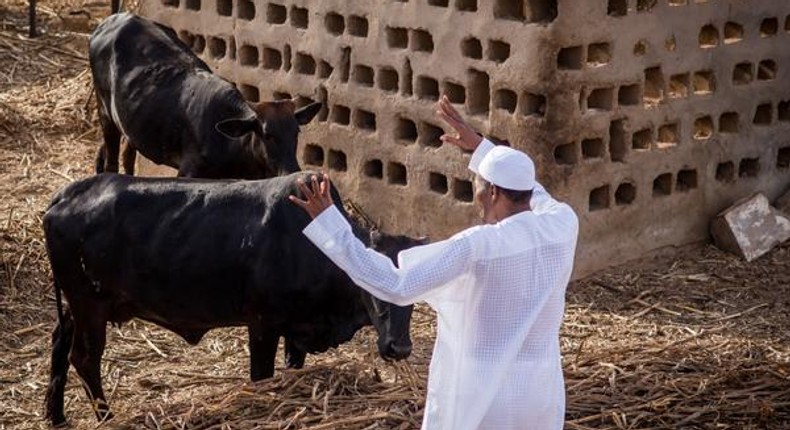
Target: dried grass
[{"x": 694, "y": 339}]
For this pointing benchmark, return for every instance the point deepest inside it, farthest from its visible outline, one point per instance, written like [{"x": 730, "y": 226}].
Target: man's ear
[
  {"x": 306, "y": 114},
  {"x": 238, "y": 127}
]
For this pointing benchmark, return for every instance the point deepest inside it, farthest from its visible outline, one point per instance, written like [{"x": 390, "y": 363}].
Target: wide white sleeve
[{"x": 422, "y": 269}]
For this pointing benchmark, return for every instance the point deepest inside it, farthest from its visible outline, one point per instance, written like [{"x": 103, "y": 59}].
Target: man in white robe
[{"x": 498, "y": 291}]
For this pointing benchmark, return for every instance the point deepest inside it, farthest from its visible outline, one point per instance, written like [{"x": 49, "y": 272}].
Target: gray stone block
[{"x": 750, "y": 227}]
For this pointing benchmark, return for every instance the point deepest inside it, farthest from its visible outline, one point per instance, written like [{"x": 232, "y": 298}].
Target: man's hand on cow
[
  {"x": 317, "y": 195},
  {"x": 466, "y": 137}
]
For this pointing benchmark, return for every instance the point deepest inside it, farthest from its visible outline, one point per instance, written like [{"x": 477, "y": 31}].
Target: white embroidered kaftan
[{"x": 498, "y": 292}]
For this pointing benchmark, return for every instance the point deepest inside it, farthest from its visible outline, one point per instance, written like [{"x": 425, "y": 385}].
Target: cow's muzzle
[{"x": 395, "y": 351}]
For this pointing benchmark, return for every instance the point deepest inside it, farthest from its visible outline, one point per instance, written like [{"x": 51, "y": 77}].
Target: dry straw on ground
[{"x": 693, "y": 339}]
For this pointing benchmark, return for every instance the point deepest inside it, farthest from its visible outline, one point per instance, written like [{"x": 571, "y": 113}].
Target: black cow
[
  {"x": 197, "y": 255},
  {"x": 172, "y": 109}
]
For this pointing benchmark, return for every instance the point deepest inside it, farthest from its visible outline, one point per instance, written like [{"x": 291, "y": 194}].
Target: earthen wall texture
[{"x": 647, "y": 116}]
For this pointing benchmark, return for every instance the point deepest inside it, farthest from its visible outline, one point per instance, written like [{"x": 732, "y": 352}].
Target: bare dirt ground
[{"x": 693, "y": 339}]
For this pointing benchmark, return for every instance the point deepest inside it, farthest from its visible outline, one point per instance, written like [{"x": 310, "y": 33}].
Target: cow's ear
[
  {"x": 306, "y": 114},
  {"x": 236, "y": 127}
]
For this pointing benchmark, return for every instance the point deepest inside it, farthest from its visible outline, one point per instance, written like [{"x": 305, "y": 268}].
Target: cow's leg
[
  {"x": 107, "y": 159},
  {"x": 59, "y": 368},
  {"x": 86, "y": 353},
  {"x": 129, "y": 156},
  {"x": 263, "y": 350},
  {"x": 115, "y": 6},
  {"x": 294, "y": 357},
  {"x": 32, "y": 19}
]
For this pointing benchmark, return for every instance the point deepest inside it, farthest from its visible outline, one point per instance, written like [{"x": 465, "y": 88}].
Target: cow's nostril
[{"x": 399, "y": 352}]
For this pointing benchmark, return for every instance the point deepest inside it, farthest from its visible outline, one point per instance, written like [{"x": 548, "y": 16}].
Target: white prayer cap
[{"x": 508, "y": 168}]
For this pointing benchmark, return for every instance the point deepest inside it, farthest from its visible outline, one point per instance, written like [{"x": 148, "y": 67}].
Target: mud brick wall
[{"x": 647, "y": 116}]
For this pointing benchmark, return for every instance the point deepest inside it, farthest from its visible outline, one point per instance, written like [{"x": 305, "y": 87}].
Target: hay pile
[{"x": 694, "y": 339}]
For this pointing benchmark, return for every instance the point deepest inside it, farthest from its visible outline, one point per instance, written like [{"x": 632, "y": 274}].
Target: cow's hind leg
[
  {"x": 129, "y": 156},
  {"x": 86, "y": 353},
  {"x": 294, "y": 357},
  {"x": 62, "y": 338},
  {"x": 263, "y": 350},
  {"x": 107, "y": 158}
]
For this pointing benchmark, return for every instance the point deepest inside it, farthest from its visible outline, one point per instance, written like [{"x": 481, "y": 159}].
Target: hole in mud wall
[
  {"x": 278, "y": 95},
  {"x": 787, "y": 24},
  {"x": 566, "y": 154},
  {"x": 217, "y": 47},
  {"x": 313, "y": 155},
  {"x": 784, "y": 111},
  {"x": 304, "y": 64},
  {"x": 472, "y": 48},
  {"x": 276, "y": 14},
  {"x": 287, "y": 57},
  {"x": 358, "y": 26},
  {"x": 466, "y": 5},
  {"x": 341, "y": 115},
  {"x": 642, "y": 140},
  {"x": 704, "y": 82},
  {"x": 388, "y": 79},
  {"x": 397, "y": 37},
  {"x": 406, "y": 130},
  {"x": 509, "y": 9},
  {"x": 498, "y": 51},
  {"x": 365, "y": 120},
  {"x": 246, "y": 10},
  {"x": 170, "y": 3},
  {"x": 593, "y": 148},
  {"x": 769, "y": 27},
  {"x": 601, "y": 99},
  {"x": 598, "y": 54},
  {"x": 686, "y": 180},
  {"x": 629, "y": 95},
  {"x": 766, "y": 70},
  {"x": 300, "y": 18},
  {"x": 193, "y": 4},
  {"x": 541, "y": 10},
  {"x": 248, "y": 55},
  {"x": 506, "y": 99},
  {"x": 599, "y": 198},
  {"x": 374, "y": 169},
  {"x": 225, "y": 7},
  {"x": 764, "y": 114},
  {"x": 364, "y": 75},
  {"x": 345, "y": 64},
  {"x": 617, "y": 141},
  {"x": 662, "y": 185},
  {"x": 708, "y": 37},
  {"x": 455, "y": 92},
  {"x": 533, "y": 104},
  {"x": 625, "y": 194},
  {"x": 668, "y": 136},
  {"x": 479, "y": 92},
  {"x": 406, "y": 78},
  {"x": 645, "y": 5},
  {"x": 733, "y": 33},
  {"x": 335, "y": 23},
  {"x": 250, "y": 93},
  {"x": 323, "y": 96},
  {"x": 725, "y": 172},
  {"x": 396, "y": 173},
  {"x": 640, "y": 48},
  {"x": 617, "y": 8},
  {"x": 430, "y": 135},
  {"x": 427, "y": 88},
  {"x": 437, "y": 183},
  {"x": 421, "y": 41},
  {"x": 654, "y": 86},
  {"x": 232, "y": 49},
  {"x": 571, "y": 58},
  {"x": 336, "y": 160},
  {"x": 324, "y": 69},
  {"x": 703, "y": 128},
  {"x": 783, "y": 158},
  {"x": 438, "y": 3},
  {"x": 462, "y": 190},
  {"x": 272, "y": 59},
  {"x": 749, "y": 168},
  {"x": 729, "y": 122}
]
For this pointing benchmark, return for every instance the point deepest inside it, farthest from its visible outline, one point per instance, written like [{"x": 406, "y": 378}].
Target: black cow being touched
[
  {"x": 172, "y": 109},
  {"x": 194, "y": 255}
]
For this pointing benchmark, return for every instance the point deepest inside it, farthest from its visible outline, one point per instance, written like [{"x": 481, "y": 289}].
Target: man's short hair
[{"x": 514, "y": 196}]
